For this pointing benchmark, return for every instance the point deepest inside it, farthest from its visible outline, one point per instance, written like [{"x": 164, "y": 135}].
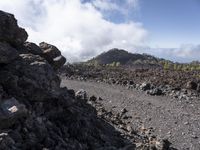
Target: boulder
[
  {"x": 52, "y": 55},
  {"x": 10, "y": 111},
  {"x": 49, "y": 51},
  {"x": 33, "y": 48},
  {"x": 58, "y": 62},
  {"x": 71, "y": 93},
  {"x": 124, "y": 83},
  {"x": 81, "y": 94},
  {"x": 93, "y": 98},
  {"x": 7, "y": 53},
  {"x": 145, "y": 86},
  {"x": 131, "y": 83},
  {"x": 191, "y": 85},
  {"x": 30, "y": 73},
  {"x": 198, "y": 87},
  {"x": 155, "y": 91},
  {"x": 9, "y": 30}
]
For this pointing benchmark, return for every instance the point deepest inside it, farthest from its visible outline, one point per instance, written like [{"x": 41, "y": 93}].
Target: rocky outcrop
[
  {"x": 10, "y": 32},
  {"x": 32, "y": 48},
  {"x": 7, "y": 53},
  {"x": 30, "y": 73},
  {"x": 52, "y": 55}
]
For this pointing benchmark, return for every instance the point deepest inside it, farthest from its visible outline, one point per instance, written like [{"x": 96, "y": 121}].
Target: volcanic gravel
[{"x": 172, "y": 119}]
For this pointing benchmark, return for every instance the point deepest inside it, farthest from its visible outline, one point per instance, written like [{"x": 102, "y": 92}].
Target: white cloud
[
  {"x": 189, "y": 50},
  {"x": 185, "y": 53},
  {"x": 78, "y": 29},
  {"x": 81, "y": 31}
]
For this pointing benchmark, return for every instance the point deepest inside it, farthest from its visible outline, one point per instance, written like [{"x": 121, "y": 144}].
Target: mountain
[{"x": 124, "y": 58}]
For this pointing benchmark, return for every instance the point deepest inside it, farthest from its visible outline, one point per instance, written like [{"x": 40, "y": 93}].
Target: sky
[{"x": 82, "y": 29}]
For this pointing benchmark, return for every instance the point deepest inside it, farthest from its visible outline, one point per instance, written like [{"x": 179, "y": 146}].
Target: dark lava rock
[
  {"x": 9, "y": 30},
  {"x": 191, "y": 85},
  {"x": 81, "y": 94},
  {"x": 124, "y": 83},
  {"x": 52, "y": 55},
  {"x": 72, "y": 93},
  {"x": 155, "y": 91},
  {"x": 7, "y": 53},
  {"x": 49, "y": 50},
  {"x": 30, "y": 73},
  {"x": 198, "y": 87},
  {"x": 33, "y": 48},
  {"x": 131, "y": 82},
  {"x": 58, "y": 62},
  {"x": 145, "y": 86},
  {"x": 93, "y": 98},
  {"x": 10, "y": 111}
]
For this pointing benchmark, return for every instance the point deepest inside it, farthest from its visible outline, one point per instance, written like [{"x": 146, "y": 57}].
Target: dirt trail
[{"x": 178, "y": 121}]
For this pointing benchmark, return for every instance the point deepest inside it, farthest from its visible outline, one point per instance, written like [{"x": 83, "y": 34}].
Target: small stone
[
  {"x": 145, "y": 86},
  {"x": 194, "y": 136},
  {"x": 100, "y": 99},
  {"x": 124, "y": 110},
  {"x": 191, "y": 85},
  {"x": 129, "y": 128},
  {"x": 93, "y": 98},
  {"x": 81, "y": 94}
]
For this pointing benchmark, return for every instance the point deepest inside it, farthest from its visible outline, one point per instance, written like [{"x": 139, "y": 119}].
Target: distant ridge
[{"x": 125, "y": 58}]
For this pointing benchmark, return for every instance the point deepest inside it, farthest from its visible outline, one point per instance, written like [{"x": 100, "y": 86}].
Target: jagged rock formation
[
  {"x": 10, "y": 32},
  {"x": 35, "y": 113},
  {"x": 52, "y": 55}
]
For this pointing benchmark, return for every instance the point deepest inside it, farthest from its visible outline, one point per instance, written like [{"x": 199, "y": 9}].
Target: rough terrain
[
  {"x": 37, "y": 114},
  {"x": 173, "y": 119},
  {"x": 154, "y": 81}
]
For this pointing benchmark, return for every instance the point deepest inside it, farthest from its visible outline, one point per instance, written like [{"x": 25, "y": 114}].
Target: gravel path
[{"x": 178, "y": 121}]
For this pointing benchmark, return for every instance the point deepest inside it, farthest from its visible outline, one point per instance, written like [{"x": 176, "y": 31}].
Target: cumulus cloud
[
  {"x": 185, "y": 53},
  {"x": 77, "y": 28},
  {"x": 80, "y": 29}
]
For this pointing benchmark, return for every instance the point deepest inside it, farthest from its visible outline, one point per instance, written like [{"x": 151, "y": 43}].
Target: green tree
[
  {"x": 175, "y": 66},
  {"x": 117, "y": 64},
  {"x": 166, "y": 65}
]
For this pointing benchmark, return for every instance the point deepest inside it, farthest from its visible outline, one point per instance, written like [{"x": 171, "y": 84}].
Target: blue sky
[
  {"x": 81, "y": 29},
  {"x": 171, "y": 22}
]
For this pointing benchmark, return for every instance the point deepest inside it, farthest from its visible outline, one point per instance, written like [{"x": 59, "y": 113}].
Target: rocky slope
[
  {"x": 163, "y": 116},
  {"x": 36, "y": 113},
  {"x": 125, "y": 58}
]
